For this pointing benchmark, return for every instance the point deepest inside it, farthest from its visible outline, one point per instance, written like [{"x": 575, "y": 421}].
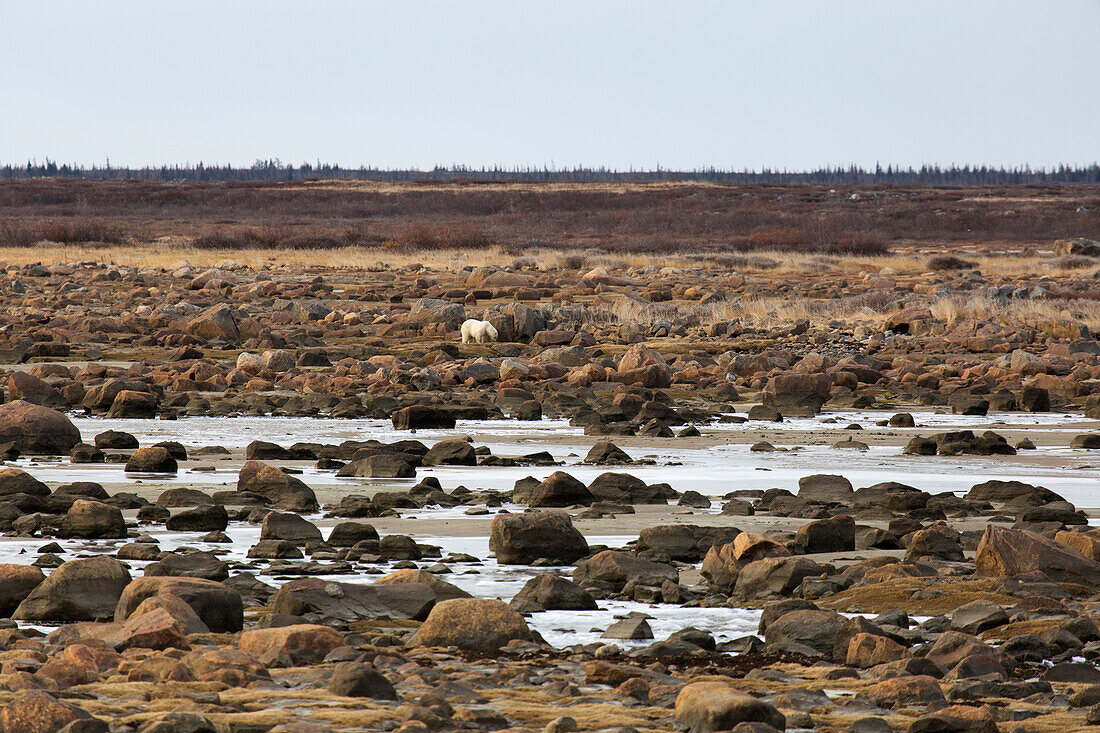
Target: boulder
[
  {"x": 379, "y": 465},
  {"x": 86, "y": 589},
  {"x": 153, "y": 459},
  {"x": 287, "y": 526},
  {"x": 16, "y": 583},
  {"x": 189, "y": 565},
  {"x": 622, "y": 488},
  {"x": 443, "y": 590},
  {"x": 326, "y": 600},
  {"x": 131, "y": 403},
  {"x": 296, "y": 645},
  {"x": 18, "y": 481},
  {"x": 797, "y": 395},
  {"x": 347, "y": 534},
  {"x": 354, "y": 679},
  {"x": 424, "y": 417},
  {"x": 477, "y": 624},
  {"x": 1008, "y": 552},
  {"x": 1086, "y": 543},
  {"x": 869, "y": 650},
  {"x": 93, "y": 520},
  {"x": 937, "y": 541},
  {"x": 216, "y": 322},
  {"x": 37, "y": 430},
  {"x": 29, "y": 388},
  {"x": 605, "y": 452},
  {"x": 521, "y": 539},
  {"x": 279, "y": 488},
  {"x": 956, "y": 719},
  {"x": 723, "y": 563},
  {"x": 815, "y": 629},
  {"x": 615, "y": 569},
  {"x": 978, "y": 616},
  {"x": 36, "y": 711},
  {"x": 835, "y": 534},
  {"x": 708, "y": 706},
  {"x": 825, "y": 488},
  {"x": 211, "y": 518},
  {"x": 906, "y": 691},
  {"x": 451, "y": 452},
  {"x": 559, "y": 489},
  {"x": 548, "y": 592},
  {"x": 219, "y": 606},
  {"x": 776, "y": 576}
]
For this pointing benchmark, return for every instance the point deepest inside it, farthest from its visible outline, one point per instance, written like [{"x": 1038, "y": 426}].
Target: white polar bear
[{"x": 478, "y": 331}]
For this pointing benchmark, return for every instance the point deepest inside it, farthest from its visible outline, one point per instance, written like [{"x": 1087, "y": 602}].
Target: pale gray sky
[{"x": 786, "y": 84}]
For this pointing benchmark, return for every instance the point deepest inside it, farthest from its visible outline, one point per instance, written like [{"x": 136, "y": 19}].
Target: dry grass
[
  {"x": 1029, "y": 313},
  {"x": 619, "y": 218},
  {"x": 898, "y": 593}
]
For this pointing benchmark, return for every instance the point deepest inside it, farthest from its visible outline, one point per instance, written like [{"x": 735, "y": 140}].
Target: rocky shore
[{"x": 186, "y": 582}]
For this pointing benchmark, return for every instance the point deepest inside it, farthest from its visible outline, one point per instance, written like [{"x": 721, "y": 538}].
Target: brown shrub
[
  {"x": 423, "y": 237},
  {"x": 944, "y": 263},
  {"x": 79, "y": 231},
  {"x": 1072, "y": 262}
]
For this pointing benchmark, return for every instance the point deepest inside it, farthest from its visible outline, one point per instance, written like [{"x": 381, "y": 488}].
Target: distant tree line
[{"x": 275, "y": 170}]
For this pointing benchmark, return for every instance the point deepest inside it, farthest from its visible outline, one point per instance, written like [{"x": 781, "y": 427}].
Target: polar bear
[{"x": 478, "y": 331}]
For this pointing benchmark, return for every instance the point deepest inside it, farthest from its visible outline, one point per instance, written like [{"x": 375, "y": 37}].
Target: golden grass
[
  {"x": 1022, "y": 312},
  {"x": 899, "y": 593},
  {"x": 1008, "y": 631}
]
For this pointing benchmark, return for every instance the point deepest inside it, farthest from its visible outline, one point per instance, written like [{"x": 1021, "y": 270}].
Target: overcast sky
[{"x": 776, "y": 83}]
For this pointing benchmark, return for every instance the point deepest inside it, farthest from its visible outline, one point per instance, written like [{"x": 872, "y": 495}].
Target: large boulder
[
  {"x": 723, "y": 563},
  {"x": 279, "y": 488},
  {"x": 937, "y": 541},
  {"x": 219, "y": 606},
  {"x": 548, "y": 592},
  {"x": 29, "y": 388},
  {"x": 622, "y": 488},
  {"x": 130, "y": 403},
  {"x": 37, "y": 711},
  {"x": 451, "y": 452},
  {"x": 86, "y": 589},
  {"x": 152, "y": 459},
  {"x": 1007, "y": 552},
  {"x": 290, "y": 646},
  {"x": 478, "y": 624},
  {"x": 776, "y": 576},
  {"x": 37, "y": 430},
  {"x": 443, "y": 590},
  {"x": 708, "y": 706},
  {"x": 379, "y": 465},
  {"x": 615, "y": 569},
  {"x": 347, "y": 534},
  {"x": 322, "y": 600},
  {"x": 16, "y": 583},
  {"x": 354, "y": 679},
  {"x": 93, "y": 520},
  {"x": 18, "y": 481},
  {"x": 835, "y": 534},
  {"x": 825, "y": 487},
  {"x": 559, "y": 489},
  {"x": 795, "y": 394},
  {"x": 216, "y": 322},
  {"x": 189, "y": 565},
  {"x": 288, "y": 526},
  {"x": 521, "y": 539},
  {"x": 424, "y": 417},
  {"x": 213, "y": 518},
  {"x": 815, "y": 629}
]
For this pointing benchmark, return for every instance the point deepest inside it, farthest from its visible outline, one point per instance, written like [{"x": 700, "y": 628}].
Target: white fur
[{"x": 478, "y": 331}]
